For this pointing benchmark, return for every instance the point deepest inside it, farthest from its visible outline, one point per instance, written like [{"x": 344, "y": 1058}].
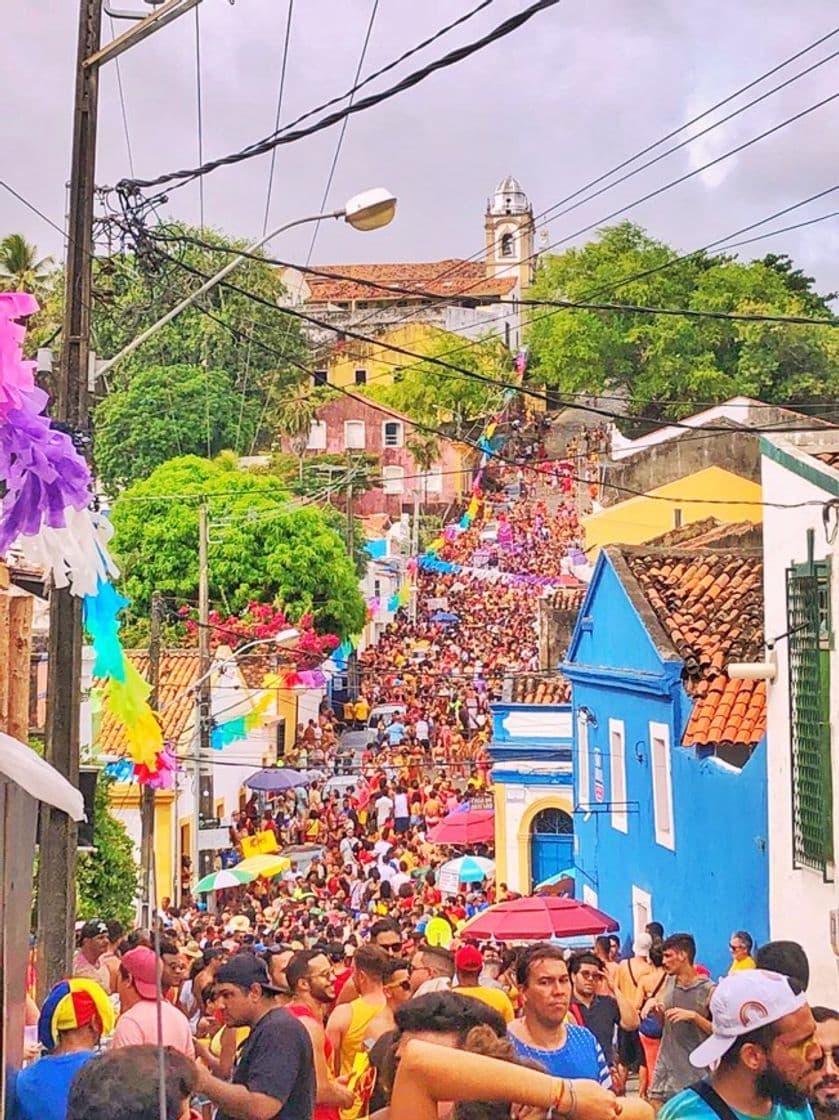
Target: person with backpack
[{"x": 762, "y": 1053}]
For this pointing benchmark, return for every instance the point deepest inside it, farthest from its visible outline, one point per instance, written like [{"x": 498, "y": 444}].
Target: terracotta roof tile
[
  {"x": 434, "y": 278},
  {"x": 535, "y": 689},
  {"x": 831, "y": 458},
  {"x": 178, "y": 672},
  {"x": 711, "y": 605}
]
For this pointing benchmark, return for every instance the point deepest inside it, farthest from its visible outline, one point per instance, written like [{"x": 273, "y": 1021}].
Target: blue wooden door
[{"x": 551, "y": 844}]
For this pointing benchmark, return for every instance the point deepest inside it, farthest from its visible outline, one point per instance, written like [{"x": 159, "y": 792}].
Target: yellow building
[
  {"x": 688, "y": 499},
  {"x": 354, "y": 363}
]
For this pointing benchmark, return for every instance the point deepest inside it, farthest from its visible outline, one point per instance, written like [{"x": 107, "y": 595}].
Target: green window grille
[{"x": 809, "y": 636}]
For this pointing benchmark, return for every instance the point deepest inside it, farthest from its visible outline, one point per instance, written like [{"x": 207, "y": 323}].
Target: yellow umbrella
[{"x": 265, "y": 866}]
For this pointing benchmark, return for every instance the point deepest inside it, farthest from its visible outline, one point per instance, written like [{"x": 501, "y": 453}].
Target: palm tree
[
  {"x": 20, "y": 269},
  {"x": 294, "y": 421}
]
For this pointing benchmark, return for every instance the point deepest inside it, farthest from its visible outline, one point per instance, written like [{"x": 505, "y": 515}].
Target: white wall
[{"x": 799, "y": 901}]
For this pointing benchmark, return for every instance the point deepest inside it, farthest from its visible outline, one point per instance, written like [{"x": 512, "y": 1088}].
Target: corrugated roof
[
  {"x": 711, "y": 606},
  {"x": 178, "y": 673},
  {"x": 447, "y": 278}
]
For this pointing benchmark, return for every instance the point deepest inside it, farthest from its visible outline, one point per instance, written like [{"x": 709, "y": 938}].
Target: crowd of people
[
  {"x": 341, "y": 988},
  {"x": 253, "y": 1027}
]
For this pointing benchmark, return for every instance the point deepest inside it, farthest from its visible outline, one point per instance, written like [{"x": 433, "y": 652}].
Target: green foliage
[
  {"x": 688, "y": 361},
  {"x": 107, "y": 879},
  {"x": 261, "y": 549},
  {"x": 427, "y": 392},
  {"x": 165, "y": 411},
  {"x": 20, "y": 268}
]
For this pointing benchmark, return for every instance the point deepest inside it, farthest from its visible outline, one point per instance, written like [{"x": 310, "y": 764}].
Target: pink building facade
[{"x": 352, "y": 424}]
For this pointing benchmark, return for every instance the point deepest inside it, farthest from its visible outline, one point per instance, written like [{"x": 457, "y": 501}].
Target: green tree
[
  {"x": 21, "y": 270},
  {"x": 688, "y": 361},
  {"x": 261, "y": 548},
  {"x": 427, "y": 392},
  {"x": 107, "y": 878},
  {"x": 294, "y": 421},
  {"x": 163, "y": 412},
  {"x": 258, "y": 345}
]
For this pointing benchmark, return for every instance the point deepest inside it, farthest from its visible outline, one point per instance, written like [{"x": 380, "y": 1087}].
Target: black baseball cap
[
  {"x": 245, "y": 970},
  {"x": 94, "y": 928}
]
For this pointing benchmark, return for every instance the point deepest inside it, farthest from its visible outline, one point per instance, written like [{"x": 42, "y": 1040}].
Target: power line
[
  {"x": 651, "y": 147},
  {"x": 343, "y": 130},
  {"x": 123, "y": 112},
  {"x": 31, "y": 206},
  {"x": 289, "y": 134},
  {"x": 199, "y": 107},
  {"x": 280, "y": 92}
]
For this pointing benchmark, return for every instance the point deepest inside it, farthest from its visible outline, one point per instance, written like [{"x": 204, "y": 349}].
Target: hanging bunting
[{"x": 46, "y": 512}]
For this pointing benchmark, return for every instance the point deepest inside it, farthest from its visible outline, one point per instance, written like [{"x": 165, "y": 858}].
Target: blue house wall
[{"x": 714, "y": 879}]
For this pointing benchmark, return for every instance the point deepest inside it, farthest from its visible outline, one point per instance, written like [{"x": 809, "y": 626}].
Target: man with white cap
[{"x": 762, "y": 1053}]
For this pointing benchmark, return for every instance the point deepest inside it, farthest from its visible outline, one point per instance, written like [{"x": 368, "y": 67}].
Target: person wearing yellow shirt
[
  {"x": 361, "y": 712},
  {"x": 740, "y": 945},
  {"x": 468, "y": 964}
]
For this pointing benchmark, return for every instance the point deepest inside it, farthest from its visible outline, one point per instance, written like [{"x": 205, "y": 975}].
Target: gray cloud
[{"x": 558, "y": 102}]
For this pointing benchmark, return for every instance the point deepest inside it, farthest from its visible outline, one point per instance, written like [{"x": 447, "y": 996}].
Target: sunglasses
[
  {"x": 392, "y": 947},
  {"x": 833, "y": 1051}
]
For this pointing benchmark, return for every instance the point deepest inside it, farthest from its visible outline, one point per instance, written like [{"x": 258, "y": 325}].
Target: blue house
[
  {"x": 670, "y": 807},
  {"x": 533, "y": 793}
]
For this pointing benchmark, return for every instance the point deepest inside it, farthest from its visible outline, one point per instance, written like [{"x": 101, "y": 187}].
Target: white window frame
[
  {"x": 662, "y": 783},
  {"x": 641, "y": 901},
  {"x": 355, "y": 426},
  {"x": 400, "y": 433},
  {"x": 584, "y": 780},
  {"x": 617, "y": 775},
  {"x": 317, "y": 436},
  {"x": 433, "y": 481},
  {"x": 393, "y": 479}
]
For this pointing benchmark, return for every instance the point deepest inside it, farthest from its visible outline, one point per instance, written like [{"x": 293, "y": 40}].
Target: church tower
[{"x": 510, "y": 233}]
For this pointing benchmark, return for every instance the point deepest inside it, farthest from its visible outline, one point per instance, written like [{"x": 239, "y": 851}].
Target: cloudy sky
[{"x": 581, "y": 87}]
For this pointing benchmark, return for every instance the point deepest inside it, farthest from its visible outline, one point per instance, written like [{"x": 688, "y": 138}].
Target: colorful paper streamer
[{"x": 47, "y": 513}]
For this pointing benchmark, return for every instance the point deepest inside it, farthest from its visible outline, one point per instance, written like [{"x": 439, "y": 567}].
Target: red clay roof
[
  {"x": 536, "y": 689},
  {"x": 178, "y": 672},
  {"x": 829, "y": 457},
  {"x": 711, "y": 606},
  {"x": 449, "y": 279}
]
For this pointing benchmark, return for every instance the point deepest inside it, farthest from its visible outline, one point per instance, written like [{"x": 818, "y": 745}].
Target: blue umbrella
[
  {"x": 469, "y": 869},
  {"x": 445, "y": 616},
  {"x": 275, "y": 779}
]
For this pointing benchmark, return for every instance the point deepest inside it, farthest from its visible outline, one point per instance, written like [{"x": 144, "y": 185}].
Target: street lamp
[{"x": 369, "y": 210}]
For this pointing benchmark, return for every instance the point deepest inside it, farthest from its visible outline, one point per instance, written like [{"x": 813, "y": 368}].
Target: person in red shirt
[{"x": 311, "y": 980}]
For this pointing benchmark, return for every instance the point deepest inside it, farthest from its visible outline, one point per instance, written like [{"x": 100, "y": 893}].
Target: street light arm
[{"x": 208, "y": 284}]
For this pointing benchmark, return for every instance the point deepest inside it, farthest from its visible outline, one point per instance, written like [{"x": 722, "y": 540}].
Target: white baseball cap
[{"x": 741, "y": 1003}]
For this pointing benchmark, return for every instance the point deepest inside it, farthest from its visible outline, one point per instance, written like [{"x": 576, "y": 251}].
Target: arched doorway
[{"x": 551, "y": 843}]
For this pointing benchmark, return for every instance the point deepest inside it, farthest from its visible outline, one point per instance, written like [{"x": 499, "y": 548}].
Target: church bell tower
[{"x": 510, "y": 233}]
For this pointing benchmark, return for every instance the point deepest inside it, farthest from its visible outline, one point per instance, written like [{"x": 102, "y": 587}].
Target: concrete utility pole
[
  {"x": 204, "y": 793},
  {"x": 149, "y": 890},
  {"x": 57, "y": 870},
  {"x": 414, "y": 551}
]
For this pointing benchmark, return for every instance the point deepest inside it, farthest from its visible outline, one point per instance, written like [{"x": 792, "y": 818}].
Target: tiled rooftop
[
  {"x": 567, "y": 598},
  {"x": 536, "y": 689},
  {"x": 829, "y": 457},
  {"x": 711, "y": 606},
  {"x": 435, "y": 278},
  {"x": 709, "y": 532},
  {"x": 178, "y": 672}
]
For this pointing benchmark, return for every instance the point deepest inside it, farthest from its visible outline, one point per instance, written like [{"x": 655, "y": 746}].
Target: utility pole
[
  {"x": 352, "y": 659},
  {"x": 204, "y": 794},
  {"x": 59, "y": 835},
  {"x": 149, "y": 890},
  {"x": 57, "y": 867}
]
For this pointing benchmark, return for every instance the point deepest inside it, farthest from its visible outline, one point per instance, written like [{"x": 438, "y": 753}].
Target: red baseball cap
[
  {"x": 469, "y": 958},
  {"x": 142, "y": 965}
]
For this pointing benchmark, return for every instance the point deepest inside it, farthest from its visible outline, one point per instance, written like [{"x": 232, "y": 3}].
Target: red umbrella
[
  {"x": 538, "y": 918},
  {"x": 466, "y": 826}
]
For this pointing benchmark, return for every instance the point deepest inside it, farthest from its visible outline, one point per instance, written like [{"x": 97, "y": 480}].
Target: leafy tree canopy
[
  {"x": 166, "y": 411},
  {"x": 107, "y": 878},
  {"x": 261, "y": 549},
  {"x": 675, "y": 365},
  {"x": 427, "y": 392}
]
